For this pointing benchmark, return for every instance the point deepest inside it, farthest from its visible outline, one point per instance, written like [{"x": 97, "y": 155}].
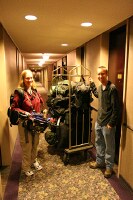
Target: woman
[{"x": 32, "y": 101}]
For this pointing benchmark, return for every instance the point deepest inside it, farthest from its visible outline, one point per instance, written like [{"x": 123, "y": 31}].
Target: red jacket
[{"x": 28, "y": 103}]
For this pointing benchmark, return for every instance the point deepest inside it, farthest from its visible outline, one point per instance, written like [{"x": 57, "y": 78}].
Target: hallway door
[{"x": 117, "y": 40}]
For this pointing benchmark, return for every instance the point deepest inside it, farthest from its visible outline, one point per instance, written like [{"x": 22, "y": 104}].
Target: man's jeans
[{"x": 105, "y": 145}]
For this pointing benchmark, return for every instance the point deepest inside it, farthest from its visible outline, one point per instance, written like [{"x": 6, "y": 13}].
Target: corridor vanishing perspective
[
  {"x": 58, "y": 181},
  {"x": 64, "y": 45}
]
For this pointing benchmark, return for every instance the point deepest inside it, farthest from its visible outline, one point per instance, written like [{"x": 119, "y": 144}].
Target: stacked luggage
[{"x": 69, "y": 100}]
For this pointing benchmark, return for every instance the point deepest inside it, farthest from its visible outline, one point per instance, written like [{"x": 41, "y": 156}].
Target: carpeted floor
[
  {"x": 64, "y": 182},
  {"x": 43, "y": 92}
]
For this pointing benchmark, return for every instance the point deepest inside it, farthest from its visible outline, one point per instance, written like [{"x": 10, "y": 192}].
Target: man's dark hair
[{"x": 103, "y": 67}]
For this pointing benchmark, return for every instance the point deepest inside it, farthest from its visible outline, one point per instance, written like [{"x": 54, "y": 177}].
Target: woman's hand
[{"x": 27, "y": 113}]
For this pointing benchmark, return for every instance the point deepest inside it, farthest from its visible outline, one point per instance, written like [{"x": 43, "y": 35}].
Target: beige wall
[
  {"x": 96, "y": 54},
  {"x": 71, "y": 58},
  {"x": 93, "y": 59},
  {"x": 11, "y": 63},
  {"x": 11, "y": 80},
  {"x": 4, "y": 130}
]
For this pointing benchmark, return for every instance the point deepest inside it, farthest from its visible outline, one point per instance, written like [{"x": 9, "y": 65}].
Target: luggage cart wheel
[{"x": 65, "y": 158}]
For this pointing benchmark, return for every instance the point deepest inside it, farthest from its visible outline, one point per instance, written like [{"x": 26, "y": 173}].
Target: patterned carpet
[{"x": 64, "y": 182}]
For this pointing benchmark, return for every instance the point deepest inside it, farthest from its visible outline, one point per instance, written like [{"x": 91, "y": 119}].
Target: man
[{"x": 105, "y": 126}]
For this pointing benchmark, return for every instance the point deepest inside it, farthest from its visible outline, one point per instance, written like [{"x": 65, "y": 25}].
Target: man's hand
[
  {"x": 90, "y": 80},
  {"x": 108, "y": 126}
]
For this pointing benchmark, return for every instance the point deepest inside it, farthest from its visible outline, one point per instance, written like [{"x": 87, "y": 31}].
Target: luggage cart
[{"x": 80, "y": 125}]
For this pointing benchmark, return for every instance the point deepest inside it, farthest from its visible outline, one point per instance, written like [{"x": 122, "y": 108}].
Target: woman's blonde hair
[{"x": 21, "y": 80}]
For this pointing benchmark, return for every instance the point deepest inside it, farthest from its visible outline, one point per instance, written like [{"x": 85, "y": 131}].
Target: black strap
[{"x": 83, "y": 79}]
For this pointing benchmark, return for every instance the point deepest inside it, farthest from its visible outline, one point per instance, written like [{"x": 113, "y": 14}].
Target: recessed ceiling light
[
  {"x": 64, "y": 45},
  {"x": 30, "y": 17},
  {"x": 45, "y": 56},
  {"x": 41, "y": 62},
  {"x": 86, "y": 24}
]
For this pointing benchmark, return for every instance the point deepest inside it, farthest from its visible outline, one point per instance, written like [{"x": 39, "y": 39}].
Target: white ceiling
[{"x": 59, "y": 22}]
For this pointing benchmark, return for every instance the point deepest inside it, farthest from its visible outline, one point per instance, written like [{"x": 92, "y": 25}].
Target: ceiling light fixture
[
  {"x": 64, "y": 45},
  {"x": 45, "y": 56},
  {"x": 41, "y": 63},
  {"x": 30, "y": 17},
  {"x": 86, "y": 24}
]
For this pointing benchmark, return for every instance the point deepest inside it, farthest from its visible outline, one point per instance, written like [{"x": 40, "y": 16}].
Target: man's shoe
[
  {"x": 37, "y": 166},
  {"x": 29, "y": 173},
  {"x": 108, "y": 173},
  {"x": 95, "y": 165}
]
